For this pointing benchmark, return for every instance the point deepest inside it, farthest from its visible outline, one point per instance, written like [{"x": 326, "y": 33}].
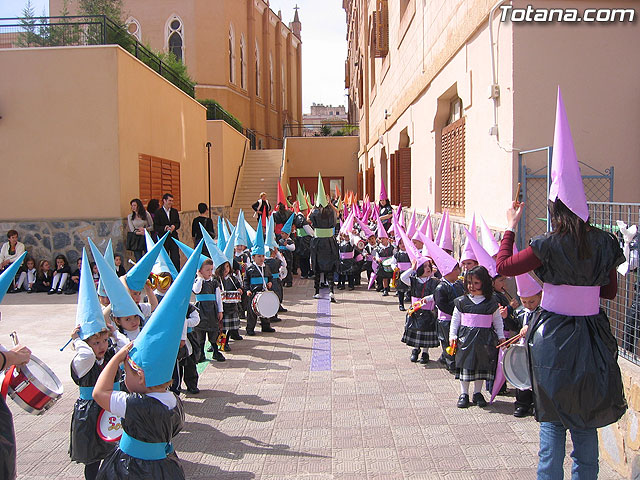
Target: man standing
[{"x": 167, "y": 219}]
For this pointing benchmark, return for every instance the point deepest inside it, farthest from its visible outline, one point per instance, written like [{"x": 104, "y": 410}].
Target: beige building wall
[
  {"x": 330, "y": 156},
  {"x": 227, "y": 152},
  {"x": 206, "y": 28},
  {"x": 59, "y": 133}
]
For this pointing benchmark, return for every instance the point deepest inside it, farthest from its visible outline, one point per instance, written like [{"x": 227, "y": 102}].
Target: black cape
[
  {"x": 324, "y": 251},
  {"x": 574, "y": 369},
  {"x": 7, "y": 443}
]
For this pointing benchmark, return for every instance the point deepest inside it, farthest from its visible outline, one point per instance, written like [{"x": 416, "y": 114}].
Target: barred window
[{"x": 452, "y": 173}]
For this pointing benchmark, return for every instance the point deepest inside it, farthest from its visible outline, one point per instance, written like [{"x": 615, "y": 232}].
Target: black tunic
[
  {"x": 303, "y": 239},
  {"x": 7, "y": 443},
  {"x": 346, "y": 264},
  {"x": 384, "y": 253},
  {"x": 575, "y": 375},
  {"x": 85, "y": 445},
  {"x": 148, "y": 420},
  {"x": 208, "y": 308},
  {"x": 476, "y": 345},
  {"x": 444, "y": 296},
  {"x": 420, "y": 330},
  {"x": 402, "y": 256},
  {"x": 324, "y": 250},
  {"x": 274, "y": 265}
]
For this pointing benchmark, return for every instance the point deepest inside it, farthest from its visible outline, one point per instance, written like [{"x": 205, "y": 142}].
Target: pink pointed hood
[
  {"x": 382, "y": 233},
  {"x": 482, "y": 255},
  {"x": 383, "y": 190},
  {"x": 446, "y": 241},
  {"x": 440, "y": 227},
  {"x": 489, "y": 242},
  {"x": 527, "y": 286},
  {"x": 411, "y": 249},
  {"x": 467, "y": 252},
  {"x": 566, "y": 180},
  {"x": 445, "y": 262},
  {"x": 423, "y": 226},
  {"x": 411, "y": 230},
  {"x": 366, "y": 231}
]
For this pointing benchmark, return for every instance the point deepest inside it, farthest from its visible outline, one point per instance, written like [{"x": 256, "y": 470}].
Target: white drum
[
  {"x": 265, "y": 304},
  {"x": 515, "y": 366},
  {"x": 109, "y": 426}
]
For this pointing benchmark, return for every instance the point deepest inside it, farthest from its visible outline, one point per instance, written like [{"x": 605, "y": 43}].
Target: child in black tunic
[
  {"x": 476, "y": 329},
  {"x": 209, "y": 303},
  {"x": 231, "y": 298},
  {"x": 401, "y": 264}
]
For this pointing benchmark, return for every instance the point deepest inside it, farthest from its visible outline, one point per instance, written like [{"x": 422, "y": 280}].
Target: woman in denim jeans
[{"x": 576, "y": 380}]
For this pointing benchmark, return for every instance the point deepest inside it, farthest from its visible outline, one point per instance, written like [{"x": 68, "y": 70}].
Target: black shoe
[
  {"x": 235, "y": 336},
  {"x": 401, "y": 308},
  {"x": 69, "y": 292},
  {"x": 340, "y": 287},
  {"x": 425, "y": 358},
  {"x": 218, "y": 357},
  {"x": 251, "y": 333},
  {"x": 332, "y": 297},
  {"x": 385, "y": 293},
  {"x": 30, "y": 290},
  {"x": 210, "y": 349},
  {"x": 51, "y": 292},
  {"x": 521, "y": 412},
  {"x": 414, "y": 355},
  {"x": 13, "y": 290},
  {"x": 351, "y": 287},
  {"x": 479, "y": 400},
  {"x": 282, "y": 309},
  {"x": 59, "y": 291},
  {"x": 378, "y": 289},
  {"x": 193, "y": 391},
  {"x": 463, "y": 401},
  {"x": 275, "y": 320},
  {"x": 268, "y": 330},
  {"x": 175, "y": 390}
]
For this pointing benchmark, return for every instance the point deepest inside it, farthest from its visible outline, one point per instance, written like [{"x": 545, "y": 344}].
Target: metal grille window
[
  {"x": 158, "y": 176},
  {"x": 624, "y": 310},
  {"x": 452, "y": 173}
]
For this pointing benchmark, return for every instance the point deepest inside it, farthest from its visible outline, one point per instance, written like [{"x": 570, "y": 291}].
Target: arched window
[
  {"x": 270, "y": 78},
  {"x": 243, "y": 63},
  {"x": 232, "y": 55},
  {"x": 133, "y": 27},
  {"x": 284, "y": 88},
  {"x": 175, "y": 43},
  {"x": 258, "y": 77}
]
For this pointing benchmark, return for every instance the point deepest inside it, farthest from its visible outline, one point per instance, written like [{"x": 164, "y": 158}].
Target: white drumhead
[
  {"x": 267, "y": 304},
  {"x": 42, "y": 376},
  {"x": 109, "y": 426},
  {"x": 515, "y": 366}
]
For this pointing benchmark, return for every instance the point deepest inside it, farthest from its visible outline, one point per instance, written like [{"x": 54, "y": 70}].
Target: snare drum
[
  {"x": 265, "y": 304},
  {"x": 109, "y": 426},
  {"x": 33, "y": 386},
  {"x": 515, "y": 366},
  {"x": 387, "y": 265},
  {"x": 231, "y": 296}
]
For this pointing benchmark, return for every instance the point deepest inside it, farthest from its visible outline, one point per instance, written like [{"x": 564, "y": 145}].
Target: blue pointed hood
[
  {"x": 228, "y": 227},
  {"x": 108, "y": 256},
  {"x": 258, "y": 248},
  {"x": 122, "y": 305},
  {"x": 251, "y": 232},
  {"x": 215, "y": 253},
  {"x": 187, "y": 250},
  {"x": 222, "y": 236},
  {"x": 138, "y": 275},
  {"x": 286, "y": 228},
  {"x": 241, "y": 237},
  {"x": 89, "y": 312},
  {"x": 156, "y": 348},
  {"x": 9, "y": 274},
  {"x": 229, "y": 249},
  {"x": 270, "y": 238},
  {"x": 163, "y": 262}
]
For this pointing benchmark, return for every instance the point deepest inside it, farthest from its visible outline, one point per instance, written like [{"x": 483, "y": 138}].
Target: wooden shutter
[
  {"x": 347, "y": 80},
  {"x": 394, "y": 197},
  {"x": 381, "y": 29},
  {"x": 452, "y": 173},
  {"x": 360, "y": 193},
  {"x": 403, "y": 160},
  {"x": 158, "y": 176}
]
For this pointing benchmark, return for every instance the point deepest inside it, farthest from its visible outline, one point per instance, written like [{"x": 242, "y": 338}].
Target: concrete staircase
[{"x": 260, "y": 173}]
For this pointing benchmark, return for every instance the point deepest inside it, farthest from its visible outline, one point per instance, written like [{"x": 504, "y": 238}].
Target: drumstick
[
  {"x": 511, "y": 340},
  {"x": 14, "y": 337},
  {"x": 66, "y": 344},
  {"x": 517, "y": 199}
]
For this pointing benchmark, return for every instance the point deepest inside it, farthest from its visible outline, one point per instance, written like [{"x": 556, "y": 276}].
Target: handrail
[{"x": 235, "y": 187}]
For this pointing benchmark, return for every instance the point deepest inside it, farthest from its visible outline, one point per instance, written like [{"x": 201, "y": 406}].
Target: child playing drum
[{"x": 257, "y": 279}]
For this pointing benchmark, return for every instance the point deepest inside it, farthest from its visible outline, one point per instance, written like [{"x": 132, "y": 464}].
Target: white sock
[
  {"x": 464, "y": 387},
  {"x": 477, "y": 386}
]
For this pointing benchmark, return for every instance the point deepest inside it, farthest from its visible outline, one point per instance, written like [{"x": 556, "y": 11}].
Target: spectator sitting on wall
[
  {"x": 206, "y": 222},
  {"x": 74, "y": 280},
  {"x": 167, "y": 219},
  {"x": 119, "y": 263},
  {"x": 9, "y": 253}
]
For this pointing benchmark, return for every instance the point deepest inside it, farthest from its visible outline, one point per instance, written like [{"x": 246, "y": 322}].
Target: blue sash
[
  {"x": 86, "y": 393},
  {"x": 206, "y": 297},
  {"x": 144, "y": 450},
  {"x": 275, "y": 275},
  {"x": 256, "y": 280}
]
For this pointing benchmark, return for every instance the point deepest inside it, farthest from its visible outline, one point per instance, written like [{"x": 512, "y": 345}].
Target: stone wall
[{"x": 48, "y": 238}]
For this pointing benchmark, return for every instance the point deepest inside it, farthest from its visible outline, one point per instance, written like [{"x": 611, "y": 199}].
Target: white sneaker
[
  {"x": 316, "y": 296},
  {"x": 331, "y": 296}
]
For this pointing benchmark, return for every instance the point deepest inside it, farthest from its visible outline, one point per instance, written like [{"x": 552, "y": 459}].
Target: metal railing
[
  {"x": 624, "y": 310},
  {"x": 86, "y": 30},
  {"x": 216, "y": 112},
  {"x": 315, "y": 130}
]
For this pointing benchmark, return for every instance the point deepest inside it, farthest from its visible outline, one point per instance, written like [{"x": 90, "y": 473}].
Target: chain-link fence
[{"x": 624, "y": 310}]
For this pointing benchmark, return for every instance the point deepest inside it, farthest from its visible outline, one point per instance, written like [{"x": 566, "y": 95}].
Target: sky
[{"x": 324, "y": 46}]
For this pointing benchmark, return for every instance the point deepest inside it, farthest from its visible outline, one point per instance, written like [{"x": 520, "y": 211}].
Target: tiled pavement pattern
[{"x": 264, "y": 414}]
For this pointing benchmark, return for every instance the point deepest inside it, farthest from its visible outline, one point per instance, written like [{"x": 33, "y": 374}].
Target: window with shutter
[
  {"x": 360, "y": 182},
  {"x": 158, "y": 176},
  {"x": 381, "y": 27},
  {"x": 452, "y": 173},
  {"x": 394, "y": 184},
  {"x": 403, "y": 158}
]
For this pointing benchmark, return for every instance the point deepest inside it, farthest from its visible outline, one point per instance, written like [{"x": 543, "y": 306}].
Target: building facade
[
  {"x": 333, "y": 117},
  {"x": 239, "y": 52},
  {"x": 447, "y": 95}
]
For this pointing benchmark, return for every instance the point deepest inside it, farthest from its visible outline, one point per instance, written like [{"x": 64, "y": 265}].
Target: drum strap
[
  {"x": 144, "y": 450},
  {"x": 206, "y": 297},
  {"x": 86, "y": 393},
  {"x": 6, "y": 380}
]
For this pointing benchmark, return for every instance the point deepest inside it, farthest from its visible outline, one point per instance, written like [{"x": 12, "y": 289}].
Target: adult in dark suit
[
  {"x": 167, "y": 219},
  {"x": 262, "y": 208}
]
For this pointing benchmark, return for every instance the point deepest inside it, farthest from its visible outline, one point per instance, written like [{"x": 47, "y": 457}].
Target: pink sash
[
  {"x": 477, "y": 320},
  {"x": 571, "y": 300}
]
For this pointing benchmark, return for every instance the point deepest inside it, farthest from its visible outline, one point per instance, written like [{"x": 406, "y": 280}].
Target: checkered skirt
[
  {"x": 420, "y": 338},
  {"x": 473, "y": 375},
  {"x": 230, "y": 318}
]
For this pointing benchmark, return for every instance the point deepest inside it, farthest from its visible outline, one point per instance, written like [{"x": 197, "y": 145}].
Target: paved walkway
[{"x": 330, "y": 395}]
